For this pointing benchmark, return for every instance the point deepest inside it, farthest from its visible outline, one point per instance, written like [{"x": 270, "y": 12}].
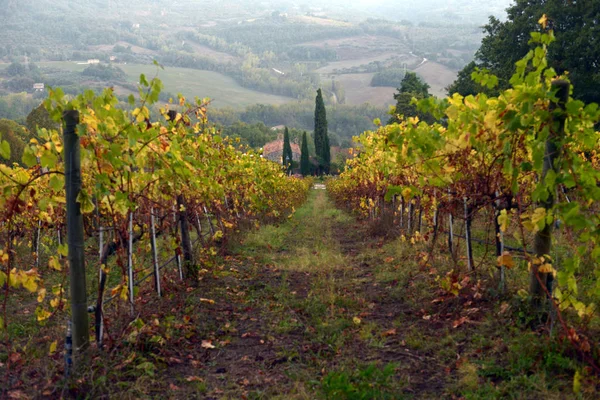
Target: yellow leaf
[
  {"x": 356, "y": 320},
  {"x": 577, "y": 382},
  {"x": 503, "y": 220},
  {"x": 218, "y": 235},
  {"x": 124, "y": 293},
  {"x": 209, "y": 301},
  {"x": 54, "y": 263},
  {"x": 55, "y": 302},
  {"x": 53, "y": 347},
  {"x": 42, "y": 314},
  {"x": 543, "y": 21},
  {"x": 547, "y": 268},
  {"x": 538, "y": 220},
  {"x": 41, "y": 295},
  {"x": 506, "y": 260},
  {"x": 85, "y": 202},
  {"x": 29, "y": 283}
]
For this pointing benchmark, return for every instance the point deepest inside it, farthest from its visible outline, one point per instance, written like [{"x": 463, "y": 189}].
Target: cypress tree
[
  {"x": 321, "y": 138},
  {"x": 287, "y": 150},
  {"x": 304, "y": 162}
]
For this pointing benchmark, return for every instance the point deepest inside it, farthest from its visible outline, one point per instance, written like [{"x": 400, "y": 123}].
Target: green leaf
[
  {"x": 57, "y": 183},
  {"x": 63, "y": 250},
  {"x": 85, "y": 202},
  {"x": 29, "y": 158},
  {"x": 48, "y": 159},
  {"x": 5, "y": 150}
]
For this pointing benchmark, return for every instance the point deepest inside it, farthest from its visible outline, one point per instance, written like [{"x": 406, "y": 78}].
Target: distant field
[
  {"x": 438, "y": 76},
  {"x": 357, "y": 62},
  {"x": 134, "y": 49},
  {"x": 361, "y": 46},
  {"x": 359, "y": 91},
  {"x": 223, "y": 90},
  {"x": 219, "y": 56},
  {"x": 320, "y": 21}
]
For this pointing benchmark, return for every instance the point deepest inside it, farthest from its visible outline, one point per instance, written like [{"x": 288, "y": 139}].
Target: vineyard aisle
[{"x": 319, "y": 307}]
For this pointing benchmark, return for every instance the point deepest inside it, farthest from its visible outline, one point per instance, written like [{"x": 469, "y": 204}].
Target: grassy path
[{"x": 319, "y": 312}]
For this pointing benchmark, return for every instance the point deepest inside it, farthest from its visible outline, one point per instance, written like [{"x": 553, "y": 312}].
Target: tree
[
  {"x": 16, "y": 69},
  {"x": 321, "y": 138},
  {"x": 577, "y": 50},
  {"x": 412, "y": 86},
  {"x": 287, "y": 150},
  {"x": 464, "y": 85},
  {"x": 15, "y": 135},
  {"x": 411, "y": 83},
  {"x": 304, "y": 158},
  {"x": 39, "y": 118}
]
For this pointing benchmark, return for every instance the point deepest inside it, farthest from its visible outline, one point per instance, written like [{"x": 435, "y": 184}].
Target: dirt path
[{"x": 308, "y": 309}]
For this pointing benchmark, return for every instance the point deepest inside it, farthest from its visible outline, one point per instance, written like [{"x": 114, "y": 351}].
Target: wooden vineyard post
[
  {"x": 36, "y": 245},
  {"x": 191, "y": 271},
  {"x": 450, "y": 231},
  {"x": 409, "y": 226},
  {"x": 436, "y": 216},
  {"x": 177, "y": 255},
  {"x": 210, "y": 224},
  {"x": 130, "y": 262},
  {"x": 154, "y": 253},
  {"x": 499, "y": 244},
  {"x": 540, "y": 282},
  {"x": 75, "y": 238},
  {"x": 468, "y": 235},
  {"x": 420, "y": 217},
  {"x": 59, "y": 238},
  {"x": 401, "y": 213},
  {"x": 99, "y": 324},
  {"x": 199, "y": 228}
]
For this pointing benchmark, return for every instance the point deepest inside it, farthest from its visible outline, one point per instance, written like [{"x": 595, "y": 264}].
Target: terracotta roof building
[{"x": 274, "y": 151}]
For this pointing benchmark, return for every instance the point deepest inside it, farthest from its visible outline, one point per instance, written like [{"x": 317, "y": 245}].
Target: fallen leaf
[
  {"x": 209, "y": 301},
  {"x": 173, "y": 387},
  {"x": 207, "y": 344},
  {"x": 356, "y": 320},
  {"x": 53, "y": 346},
  {"x": 194, "y": 379},
  {"x": 17, "y": 395},
  {"x": 459, "y": 322},
  {"x": 14, "y": 358},
  {"x": 391, "y": 332}
]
